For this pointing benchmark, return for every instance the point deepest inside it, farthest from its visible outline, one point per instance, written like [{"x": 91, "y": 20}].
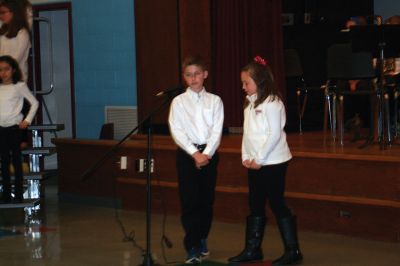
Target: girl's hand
[
  {"x": 23, "y": 125},
  {"x": 254, "y": 165},
  {"x": 246, "y": 163}
]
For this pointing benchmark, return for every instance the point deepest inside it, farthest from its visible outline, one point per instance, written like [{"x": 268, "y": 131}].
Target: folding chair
[{"x": 345, "y": 65}]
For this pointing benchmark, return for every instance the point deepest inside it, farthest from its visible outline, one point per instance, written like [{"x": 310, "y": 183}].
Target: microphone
[{"x": 171, "y": 91}]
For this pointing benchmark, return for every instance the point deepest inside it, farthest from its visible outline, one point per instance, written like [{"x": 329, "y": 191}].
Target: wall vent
[{"x": 124, "y": 119}]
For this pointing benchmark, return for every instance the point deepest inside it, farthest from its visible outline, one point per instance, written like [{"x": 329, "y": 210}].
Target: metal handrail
[{"x": 51, "y": 72}]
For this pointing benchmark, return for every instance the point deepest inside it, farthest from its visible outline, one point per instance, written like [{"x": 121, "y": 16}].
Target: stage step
[
  {"x": 37, "y": 176},
  {"x": 43, "y": 175},
  {"x": 39, "y": 151},
  {"x": 47, "y": 127},
  {"x": 27, "y": 203}
]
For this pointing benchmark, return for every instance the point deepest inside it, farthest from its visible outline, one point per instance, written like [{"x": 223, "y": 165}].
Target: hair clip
[{"x": 259, "y": 60}]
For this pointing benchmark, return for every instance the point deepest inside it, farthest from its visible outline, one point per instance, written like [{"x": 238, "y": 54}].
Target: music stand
[
  {"x": 344, "y": 64},
  {"x": 294, "y": 74},
  {"x": 384, "y": 42}
]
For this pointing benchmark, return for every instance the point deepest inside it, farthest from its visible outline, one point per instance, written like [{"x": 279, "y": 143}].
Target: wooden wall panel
[
  {"x": 74, "y": 160},
  {"x": 195, "y": 31},
  {"x": 166, "y": 32},
  {"x": 341, "y": 177},
  {"x": 157, "y": 53},
  {"x": 360, "y": 220}
]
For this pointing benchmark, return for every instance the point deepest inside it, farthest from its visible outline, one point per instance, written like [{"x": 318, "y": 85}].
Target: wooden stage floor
[
  {"x": 308, "y": 144},
  {"x": 320, "y": 144}
]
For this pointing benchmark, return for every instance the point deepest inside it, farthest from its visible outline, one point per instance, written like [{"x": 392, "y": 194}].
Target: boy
[{"x": 195, "y": 120}]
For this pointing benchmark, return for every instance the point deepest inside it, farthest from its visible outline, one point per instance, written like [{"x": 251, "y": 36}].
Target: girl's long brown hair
[
  {"x": 262, "y": 76},
  {"x": 19, "y": 20}
]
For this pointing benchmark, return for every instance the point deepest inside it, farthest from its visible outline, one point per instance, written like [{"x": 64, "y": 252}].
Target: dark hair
[
  {"x": 194, "y": 60},
  {"x": 17, "y": 74},
  {"x": 25, "y": 3},
  {"x": 263, "y": 77},
  {"x": 19, "y": 20}
]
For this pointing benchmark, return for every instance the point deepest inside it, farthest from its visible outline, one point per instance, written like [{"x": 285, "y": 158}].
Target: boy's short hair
[{"x": 194, "y": 60}]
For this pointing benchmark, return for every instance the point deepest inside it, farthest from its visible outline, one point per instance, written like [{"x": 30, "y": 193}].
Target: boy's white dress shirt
[{"x": 196, "y": 118}]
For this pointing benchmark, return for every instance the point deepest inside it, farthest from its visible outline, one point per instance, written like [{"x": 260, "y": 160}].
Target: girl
[
  {"x": 12, "y": 94},
  {"x": 266, "y": 154},
  {"x": 14, "y": 34}
]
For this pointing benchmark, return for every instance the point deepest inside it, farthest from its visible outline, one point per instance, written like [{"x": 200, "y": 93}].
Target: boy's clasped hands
[{"x": 200, "y": 159}]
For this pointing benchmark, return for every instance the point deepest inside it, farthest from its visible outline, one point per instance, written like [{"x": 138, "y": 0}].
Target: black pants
[
  {"x": 196, "y": 191},
  {"x": 10, "y": 140},
  {"x": 268, "y": 183}
]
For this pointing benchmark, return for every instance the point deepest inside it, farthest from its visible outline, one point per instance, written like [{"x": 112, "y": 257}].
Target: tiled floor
[{"x": 81, "y": 234}]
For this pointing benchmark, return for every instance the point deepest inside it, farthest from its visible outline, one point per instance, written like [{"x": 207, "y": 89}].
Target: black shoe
[
  {"x": 292, "y": 255},
  {"x": 248, "y": 256},
  {"x": 193, "y": 256},
  {"x": 254, "y": 236},
  {"x": 204, "y": 252}
]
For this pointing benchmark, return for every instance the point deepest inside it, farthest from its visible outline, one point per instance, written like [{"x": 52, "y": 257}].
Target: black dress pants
[
  {"x": 10, "y": 140},
  {"x": 268, "y": 184},
  {"x": 196, "y": 191}
]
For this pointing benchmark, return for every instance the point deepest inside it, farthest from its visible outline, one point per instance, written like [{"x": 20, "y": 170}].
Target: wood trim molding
[{"x": 295, "y": 195}]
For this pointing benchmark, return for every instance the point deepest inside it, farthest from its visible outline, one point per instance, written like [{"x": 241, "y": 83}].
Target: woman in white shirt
[
  {"x": 266, "y": 154},
  {"x": 14, "y": 33}
]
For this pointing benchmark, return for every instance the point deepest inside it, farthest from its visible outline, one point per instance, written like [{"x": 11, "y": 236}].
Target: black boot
[
  {"x": 254, "y": 236},
  {"x": 5, "y": 170},
  {"x": 288, "y": 230}
]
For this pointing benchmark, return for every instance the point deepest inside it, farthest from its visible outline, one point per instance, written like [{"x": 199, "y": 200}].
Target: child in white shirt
[
  {"x": 12, "y": 94},
  {"x": 265, "y": 153},
  {"x": 195, "y": 120},
  {"x": 14, "y": 33}
]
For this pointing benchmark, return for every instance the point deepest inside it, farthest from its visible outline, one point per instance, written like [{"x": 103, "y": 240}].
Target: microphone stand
[
  {"x": 147, "y": 259},
  {"x": 381, "y": 94}
]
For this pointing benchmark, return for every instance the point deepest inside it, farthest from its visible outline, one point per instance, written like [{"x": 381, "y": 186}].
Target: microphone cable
[
  {"x": 131, "y": 237},
  {"x": 165, "y": 242}
]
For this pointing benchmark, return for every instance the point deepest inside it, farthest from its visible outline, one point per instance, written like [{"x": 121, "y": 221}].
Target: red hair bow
[{"x": 259, "y": 60}]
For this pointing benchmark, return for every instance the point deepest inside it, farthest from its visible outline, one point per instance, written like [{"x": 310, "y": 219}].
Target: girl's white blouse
[{"x": 264, "y": 138}]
